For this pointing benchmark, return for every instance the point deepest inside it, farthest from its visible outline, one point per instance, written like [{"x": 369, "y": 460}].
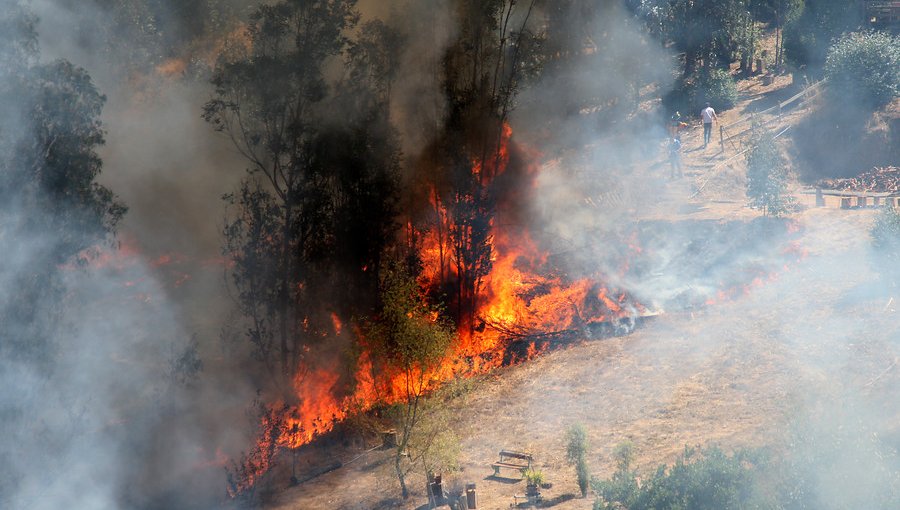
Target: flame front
[{"x": 520, "y": 298}]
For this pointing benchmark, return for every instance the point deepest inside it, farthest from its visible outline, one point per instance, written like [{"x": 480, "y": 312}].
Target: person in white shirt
[{"x": 708, "y": 115}]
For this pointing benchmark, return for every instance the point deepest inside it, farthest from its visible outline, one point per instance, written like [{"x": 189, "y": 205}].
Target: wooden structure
[
  {"x": 881, "y": 13},
  {"x": 854, "y": 199},
  {"x": 509, "y": 459}
]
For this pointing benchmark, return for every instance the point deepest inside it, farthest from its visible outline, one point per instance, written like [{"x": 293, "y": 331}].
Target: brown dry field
[
  {"x": 735, "y": 374},
  {"x": 819, "y": 336}
]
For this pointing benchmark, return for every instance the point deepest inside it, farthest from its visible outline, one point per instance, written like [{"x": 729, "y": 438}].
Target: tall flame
[{"x": 520, "y": 298}]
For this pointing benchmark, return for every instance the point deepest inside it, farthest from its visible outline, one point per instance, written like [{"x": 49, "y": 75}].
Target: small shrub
[
  {"x": 534, "y": 477},
  {"x": 584, "y": 476},
  {"x": 716, "y": 87},
  {"x": 699, "y": 479},
  {"x": 576, "y": 451},
  {"x": 886, "y": 244},
  {"x": 864, "y": 68}
]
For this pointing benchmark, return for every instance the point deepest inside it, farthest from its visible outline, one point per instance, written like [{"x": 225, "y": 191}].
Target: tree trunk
[
  {"x": 285, "y": 286},
  {"x": 690, "y": 62},
  {"x": 404, "y": 491}
]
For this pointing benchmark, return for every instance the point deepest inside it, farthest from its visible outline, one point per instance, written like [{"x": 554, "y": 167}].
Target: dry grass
[{"x": 737, "y": 373}]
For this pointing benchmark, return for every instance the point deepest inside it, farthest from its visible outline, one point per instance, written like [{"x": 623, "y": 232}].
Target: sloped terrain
[{"x": 786, "y": 324}]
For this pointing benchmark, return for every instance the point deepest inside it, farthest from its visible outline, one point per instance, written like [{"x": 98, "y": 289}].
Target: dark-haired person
[
  {"x": 675, "y": 156},
  {"x": 708, "y": 116}
]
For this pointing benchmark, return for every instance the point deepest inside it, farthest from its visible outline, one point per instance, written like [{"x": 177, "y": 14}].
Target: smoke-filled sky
[{"x": 123, "y": 422}]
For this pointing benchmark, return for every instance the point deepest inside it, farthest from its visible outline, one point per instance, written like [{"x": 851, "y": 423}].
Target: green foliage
[
  {"x": 707, "y": 31},
  {"x": 864, "y": 68},
  {"x": 410, "y": 337},
  {"x": 576, "y": 452},
  {"x": 836, "y": 461},
  {"x": 623, "y": 487},
  {"x": 778, "y": 12},
  {"x": 534, "y": 477},
  {"x": 700, "y": 480},
  {"x": 610, "y": 77},
  {"x": 807, "y": 38},
  {"x": 433, "y": 443},
  {"x": 583, "y": 476},
  {"x": 886, "y": 244},
  {"x": 576, "y": 443},
  {"x": 409, "y": 333},
  {"x": 624, "y": 455},
  {"x": 767, "y": 175},
  {"x": 716, "y": 87}
]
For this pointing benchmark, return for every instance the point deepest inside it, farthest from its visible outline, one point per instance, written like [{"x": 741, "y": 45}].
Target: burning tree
[
  {"x": 317, "y": 203},
  {"x": 461, "y": 170},
  {"x": 315, "y": 216}
]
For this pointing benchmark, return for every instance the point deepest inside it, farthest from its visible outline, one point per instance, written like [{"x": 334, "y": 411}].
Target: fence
[{"x": 800, "y": 98}]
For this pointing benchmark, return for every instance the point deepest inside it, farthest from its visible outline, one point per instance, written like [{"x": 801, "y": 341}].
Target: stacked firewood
[{"x": 878, "y": 180}]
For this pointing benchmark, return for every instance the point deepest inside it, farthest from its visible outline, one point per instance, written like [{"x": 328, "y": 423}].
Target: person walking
[
  {"x": 708, "y": 115},
  {"x": 675, "y": 156}
]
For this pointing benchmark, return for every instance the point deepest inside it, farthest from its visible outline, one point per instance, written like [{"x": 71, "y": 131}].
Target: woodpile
[{"x": 877, "y": 180}]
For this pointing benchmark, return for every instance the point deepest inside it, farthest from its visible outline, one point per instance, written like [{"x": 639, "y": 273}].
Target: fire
[
  {"x": 319, "y": 410},
  {"x": 336, "y": 322},
  {"x": 522, "y": 298}
]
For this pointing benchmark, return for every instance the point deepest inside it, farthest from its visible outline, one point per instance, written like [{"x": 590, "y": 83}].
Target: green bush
[
  {"x": 700, "y": 479},
  {"x": 690, "y": 94},
  {"x": 716, "y": 87},
  {"x": 886, "y": 244},
  {"x": 767, "y": 175},
  {"x": 533, "y": 477},
  {"x": 864, "y": 67},
  {"x": 576, "y": 451}
]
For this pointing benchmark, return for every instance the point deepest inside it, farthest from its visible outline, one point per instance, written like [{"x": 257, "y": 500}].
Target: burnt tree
[
  {"x": 481, "y": 70},
  {"x": 318, "y": 200}
]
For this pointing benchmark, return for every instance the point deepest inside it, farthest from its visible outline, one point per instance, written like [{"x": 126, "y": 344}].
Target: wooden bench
[{"x": 509, "y": 459}]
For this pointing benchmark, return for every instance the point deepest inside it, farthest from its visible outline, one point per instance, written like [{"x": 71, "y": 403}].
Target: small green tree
[
  {"x": 410, "y": 338},
  {"x": 767, "y": 175},
  {"x": 623, "y": 487},
  {"x": 864, "y": 68},
  {"x": 886, "y": 244},
  {"x": 576, "y": 452},
  {"x": 433, "y": 443}
]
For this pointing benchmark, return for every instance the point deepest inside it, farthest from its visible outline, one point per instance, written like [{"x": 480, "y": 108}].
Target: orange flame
[{"x": 518, "y": 299}]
